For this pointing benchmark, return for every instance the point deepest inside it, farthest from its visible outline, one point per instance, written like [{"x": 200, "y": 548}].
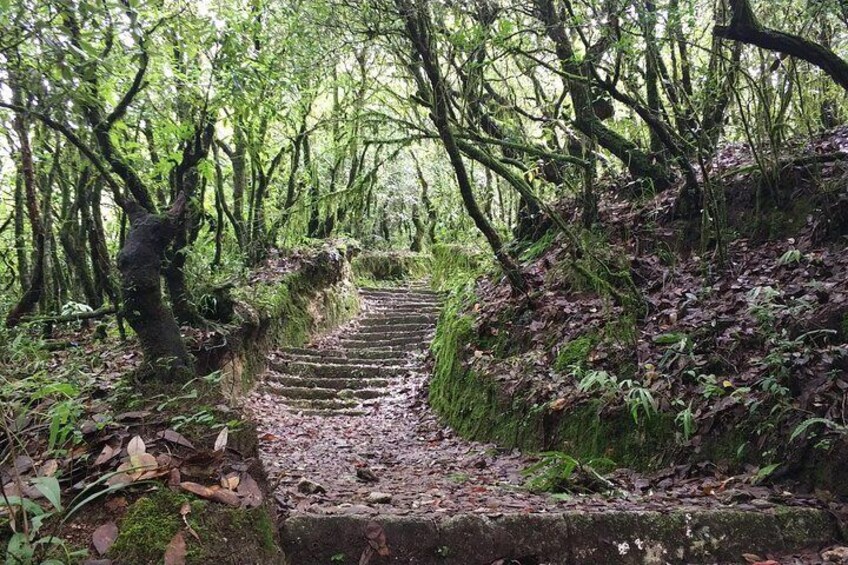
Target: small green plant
[
  {"x": 558, "y": 472},
  {"x": 685, "y": 419},
  {"x": 337, "y": 558},
  {"x": 829, "y": 425},
  {"x": 790, "y": 257},
  {"x": 639, "y": 400},
  {"x": 680, "y": 349}
]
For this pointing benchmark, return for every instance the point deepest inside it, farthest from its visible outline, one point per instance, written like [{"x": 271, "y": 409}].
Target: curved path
[{"x": 356, "y": 457}]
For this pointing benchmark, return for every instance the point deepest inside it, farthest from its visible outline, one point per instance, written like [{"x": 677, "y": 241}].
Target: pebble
[
  {"x": 305, "y": 486},
  {"x": 379, "y": 498}
]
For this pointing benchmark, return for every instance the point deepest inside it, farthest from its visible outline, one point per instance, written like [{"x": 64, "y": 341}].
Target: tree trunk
[
  {"x": 35, "y": 289},
  {"x": 418, "y": 27},
  {"x": 140, "y": 263}
]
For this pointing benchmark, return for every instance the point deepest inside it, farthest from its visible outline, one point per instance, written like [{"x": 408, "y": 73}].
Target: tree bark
[
  {"x": 35, "y": 289},
  {"x": 140, "y": 264},
  {"x": 418, "y": 28}
]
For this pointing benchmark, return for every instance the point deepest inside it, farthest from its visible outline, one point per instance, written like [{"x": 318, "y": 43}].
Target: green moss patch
[
  {"x": 226, "y": 535},
  {"x": 376, "y": 267}
]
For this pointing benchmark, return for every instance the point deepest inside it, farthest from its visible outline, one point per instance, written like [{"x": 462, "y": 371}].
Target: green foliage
[
  {"x": 373, "y": 268},
  {"x": 455, "y": 265},
  {"x": 538, "y": 247},
  {"x": 558, "y": 472}
]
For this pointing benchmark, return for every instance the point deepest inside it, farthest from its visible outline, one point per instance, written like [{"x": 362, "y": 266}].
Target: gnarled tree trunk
[{"x": 140, "y": 263}]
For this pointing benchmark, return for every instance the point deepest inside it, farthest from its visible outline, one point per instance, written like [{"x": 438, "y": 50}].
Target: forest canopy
[{"x": 151, "y": 150}]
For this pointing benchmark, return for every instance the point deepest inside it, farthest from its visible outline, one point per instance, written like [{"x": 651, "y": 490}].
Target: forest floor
[{"x": 388, "y": 455}]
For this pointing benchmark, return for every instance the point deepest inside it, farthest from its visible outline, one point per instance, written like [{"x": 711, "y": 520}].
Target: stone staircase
[{"x": 353, "y": 369}]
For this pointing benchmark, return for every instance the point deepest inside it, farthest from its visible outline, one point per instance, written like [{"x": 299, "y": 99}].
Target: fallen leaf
[
  {"x": 136, "y": 446},
  {"x": 116, "y": 504},
  {"x": 227, "y": 497},
  {"x": 230, "y": 481},
  {"x": 106, "y": 454},
  {"x": 250, "y": 492},
  {"x": 104, "y": 537},
  {"x": 175, "y": 553},
  {"x": 48, "y": 468},
  {"x": 221, "y": 440},
  {"x": 195, "y": 488},
  {"x": 185, "y": 510},
  {"x": 175, "y": 437},
  {"x": 138, "y": 415},
  {"x": 558, "y": 404}
]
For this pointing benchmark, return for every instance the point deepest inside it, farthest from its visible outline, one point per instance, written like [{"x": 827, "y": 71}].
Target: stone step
[
  {"x": 336, "y": 357},
  {"x": 388, "y": 355},
  {"x": 296, "y": 404},
  {"x": 622, "y": 537},
  {"x": 401, "y": 326},
  {"x": 390, "y": 305},
  {"x": 387, "y": 319},
  {"x": 331, "y": 413},
  {"x": 399, "y": 291},
  {"x": 315, "y": 393},
  {"x": 383, "y": 333},
  {"x": 324, "y": 382},
  {"x": 340, "y": 371},
  {"x": 356, "y": 344}
]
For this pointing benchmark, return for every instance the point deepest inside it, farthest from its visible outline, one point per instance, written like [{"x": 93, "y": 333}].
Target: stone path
[{"x": 354, "y": 452}]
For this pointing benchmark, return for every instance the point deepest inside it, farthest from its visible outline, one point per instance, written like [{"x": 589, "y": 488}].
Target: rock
[
  {"x": 305, "y": 486},
  {"x": 379, "y": 498},
  {"x": 367, "y": 475},
  {"x": 836, "y": 555}
]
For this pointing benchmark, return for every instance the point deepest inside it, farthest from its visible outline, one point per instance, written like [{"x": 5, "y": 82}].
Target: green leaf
[
  {"x": 19, "y": 550},
  {"x": 49, "y": 487}
]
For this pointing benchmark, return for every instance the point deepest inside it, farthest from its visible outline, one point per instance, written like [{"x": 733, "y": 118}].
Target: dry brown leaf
[
  {"x": 195, "y": 488},
  {"x": 215, "y": 493},
  {"x": 175, "y": 553},
  {"x": 175, "y": 437},
  {"x": 48, "y": 468},
  {"x": 250, "y": 492},
  {"x": 221, "y": 440},
  {"x": 230, "y": 481},
  {"x": 174, "y": 478},
  {"x": 227, "y": 497},
  {"x": 119, "y": 478},
  {"x": 106, "y": 454},
  {"x": 136, "y": 446},
  {"x": 104, "y": 537},
  {"x": 116, "y": 504},
  {"x": 558, "y": 404},
  {"x": 185, "y": 510}
]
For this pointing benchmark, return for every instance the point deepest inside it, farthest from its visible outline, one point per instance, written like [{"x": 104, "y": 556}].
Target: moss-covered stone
[
  {"x": 153, "y": 520},
  {"x": 481, "y": 407}
]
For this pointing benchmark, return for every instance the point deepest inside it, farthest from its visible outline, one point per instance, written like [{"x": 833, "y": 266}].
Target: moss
[
  {"x": 148, "y": 527},
  {"x": 153, "y": 521},
  {"x": 575, "y": 352},
  {"x": 455, "y": 264},
  {"x": 375, "y": 267}
]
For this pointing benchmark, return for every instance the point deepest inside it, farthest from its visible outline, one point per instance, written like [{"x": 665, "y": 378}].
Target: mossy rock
[{"x": 226, "y": 535}]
